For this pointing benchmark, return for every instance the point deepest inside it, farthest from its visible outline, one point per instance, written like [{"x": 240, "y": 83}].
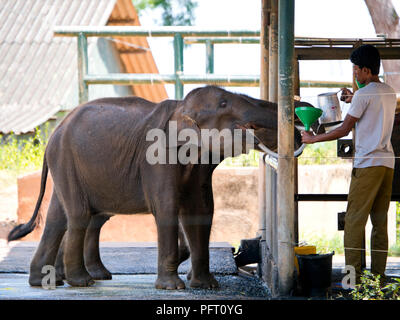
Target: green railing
[{"x": 179, "y": 79}]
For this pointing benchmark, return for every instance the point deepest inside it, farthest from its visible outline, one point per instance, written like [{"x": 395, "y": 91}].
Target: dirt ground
[{"x": 8, "y": 203}]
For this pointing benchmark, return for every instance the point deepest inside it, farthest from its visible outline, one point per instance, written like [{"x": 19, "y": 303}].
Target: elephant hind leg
[
  {"x": 79, "y": 216},
  {"x": 92, "y": 259},
  {"x": 45, "y": 255},
  {"x": 60, "y": 270},
  {"x": 93, "y": 262}
]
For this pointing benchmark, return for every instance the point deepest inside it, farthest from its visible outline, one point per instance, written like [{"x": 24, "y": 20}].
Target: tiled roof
[{"x": 134, "y": 57}]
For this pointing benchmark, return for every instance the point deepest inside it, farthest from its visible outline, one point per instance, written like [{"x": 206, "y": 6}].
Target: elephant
[{"x": 97, "y": 157}]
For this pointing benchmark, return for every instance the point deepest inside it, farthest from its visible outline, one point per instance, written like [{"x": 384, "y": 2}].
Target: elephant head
[{"x": 212, "y": 109}]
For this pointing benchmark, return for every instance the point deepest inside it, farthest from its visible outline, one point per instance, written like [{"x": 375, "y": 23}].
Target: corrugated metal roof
[{"x": 38, "y": 71}]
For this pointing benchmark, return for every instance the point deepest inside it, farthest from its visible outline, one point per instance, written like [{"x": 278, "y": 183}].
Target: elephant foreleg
[
  {"x": 168, "y": 252},
  {"x": 197, "y": 227},
  {"x": 184, "y": 251},
  {"x": 196, "y": 216}
]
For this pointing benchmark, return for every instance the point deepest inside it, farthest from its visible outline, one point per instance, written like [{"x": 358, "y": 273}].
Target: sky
[{"x": 313, "y": 18}]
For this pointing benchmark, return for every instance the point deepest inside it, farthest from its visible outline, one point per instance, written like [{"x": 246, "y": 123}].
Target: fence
[{"x": 179, "y": 79}]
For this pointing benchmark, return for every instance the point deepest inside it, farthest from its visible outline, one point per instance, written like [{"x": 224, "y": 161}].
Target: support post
[
  {"x": 285, "y": 182},
  {"x": 209, "y": 56},
  {"x": 178, "y": 59},
  {"x": 82, "y": 68},
  {"x": 264, "y": 45},
  {"x": 296, "y": 162},
  {"x": 264, "y": 87},
  {"x": 273, "y": 52}
]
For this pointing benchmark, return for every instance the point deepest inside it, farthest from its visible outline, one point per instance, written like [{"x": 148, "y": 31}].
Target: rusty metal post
[
  {"x": 82, "y": 68},
  {"x": 285, "y": 183},
  {"x": 296, "y": 162},
  {"x": 273, "y": 52},
  {"x": 264, "y": 87},
  {"x": 264, "y": 46}
]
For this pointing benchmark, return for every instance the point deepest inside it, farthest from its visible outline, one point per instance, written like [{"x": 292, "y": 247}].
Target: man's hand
[
  {"x": 346, "y": 95},
  {"x": 307, "y": 137},
  {"x": 344, "y": 129}
]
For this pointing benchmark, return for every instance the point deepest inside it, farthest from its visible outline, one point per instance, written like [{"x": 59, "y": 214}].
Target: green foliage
[
  {"x": 371, "y": 288},
  {"x": 320, "y": 153},
  {"x": 244, "y": 160},
  {"x": 392, "y": 290},
  {"x": 323, "y": 243},
  {"x": 174, "y": 12},
  {"x": 22, "y": 155},
  {"x": 315, "y": 154},
  {"x": 394, "y": 250}
]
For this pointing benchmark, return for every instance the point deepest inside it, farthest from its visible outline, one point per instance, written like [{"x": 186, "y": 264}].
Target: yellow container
[{"x": 304, "y": 250}]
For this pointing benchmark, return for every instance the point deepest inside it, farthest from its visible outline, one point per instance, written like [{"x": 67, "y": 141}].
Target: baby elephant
[{"x": 109, "y": 156}]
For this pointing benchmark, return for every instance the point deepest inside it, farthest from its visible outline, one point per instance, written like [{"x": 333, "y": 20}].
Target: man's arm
[{"x": 342, "y": 131}]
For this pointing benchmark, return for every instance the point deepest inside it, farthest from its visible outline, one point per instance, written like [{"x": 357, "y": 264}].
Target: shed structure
[{"x": 39, "y": 71}]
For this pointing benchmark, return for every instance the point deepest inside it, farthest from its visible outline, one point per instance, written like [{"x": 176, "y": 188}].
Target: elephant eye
[{"x": 222, "y": 104}]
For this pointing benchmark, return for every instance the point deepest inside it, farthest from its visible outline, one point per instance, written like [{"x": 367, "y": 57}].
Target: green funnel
[{"x": 308, "y": 115}]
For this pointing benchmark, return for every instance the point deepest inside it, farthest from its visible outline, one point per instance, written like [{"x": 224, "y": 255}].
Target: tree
[
  {"x": 386, "y": 21},
  {"x": 174, "y": 12}
]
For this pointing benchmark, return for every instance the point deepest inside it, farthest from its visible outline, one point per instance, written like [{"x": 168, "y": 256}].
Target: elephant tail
[{"x": 23, "y": 229}]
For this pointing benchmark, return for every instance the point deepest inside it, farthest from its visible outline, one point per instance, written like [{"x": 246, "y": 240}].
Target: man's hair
[{"x": 367, "y": 56}]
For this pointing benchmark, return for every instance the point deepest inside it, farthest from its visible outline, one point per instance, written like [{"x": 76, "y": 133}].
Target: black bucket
[{"x": 315, "y": 274}]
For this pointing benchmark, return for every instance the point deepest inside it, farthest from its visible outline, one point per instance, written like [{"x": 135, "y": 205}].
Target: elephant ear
[{"x": 181, "y": 129}]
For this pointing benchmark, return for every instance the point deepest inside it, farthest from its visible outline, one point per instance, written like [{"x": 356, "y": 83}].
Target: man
[{"x": 372, "y": 113}]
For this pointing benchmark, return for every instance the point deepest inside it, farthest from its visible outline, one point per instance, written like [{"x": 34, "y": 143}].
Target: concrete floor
[
  {"x": 133, "y": 287},
  {"x": 133, "y": 266}
]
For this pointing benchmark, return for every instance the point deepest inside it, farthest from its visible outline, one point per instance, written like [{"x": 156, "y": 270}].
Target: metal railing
[{"x": 179, "y": 79}]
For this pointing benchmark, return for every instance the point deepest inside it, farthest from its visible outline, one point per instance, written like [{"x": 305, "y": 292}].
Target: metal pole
[
  {"x": 209, "y": 57},
  {"x": 222, "y": 80},
  {"x": 169, "y": 31},
  {"x": 264, "y": 39},
  {"x": 82, "y": 68},
  {"x": 285, "y": 183},
  {"x": 296, "y": 162},
  {"x": 264, "y": 87},
  {"x": 178, "y": 59},
  {"x": 273, "y": 52}
]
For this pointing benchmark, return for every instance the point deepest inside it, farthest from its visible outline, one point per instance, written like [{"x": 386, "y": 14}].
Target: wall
[
  {"x": 236, "y": 206},
  {"x": 235, "y": 218}
]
